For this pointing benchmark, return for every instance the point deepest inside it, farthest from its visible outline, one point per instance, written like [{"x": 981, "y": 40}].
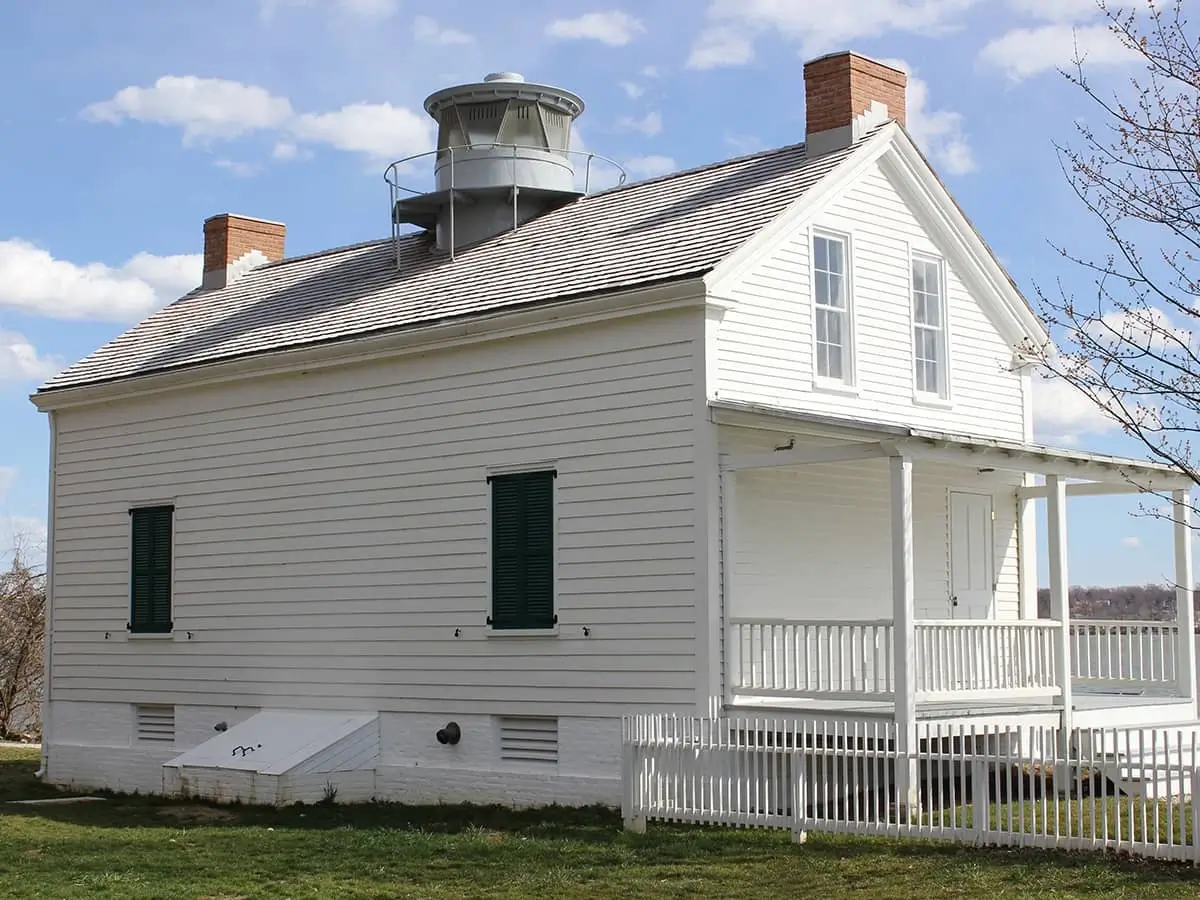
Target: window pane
[
  {"x": 822, "y": 327},
  {"x": 823, "y": 360},
  {"x": 833, "y": 327},
  {"x": 837, "y": 261},
  {"x": 822, "y": 288},
  {"x": 836, "y": 294},
  {"x": 821, "y": 253},
  {"x": 835, "y": 363}
]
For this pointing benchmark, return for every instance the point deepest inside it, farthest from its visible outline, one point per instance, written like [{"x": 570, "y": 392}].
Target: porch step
[{"x": 1153, "y": 761}]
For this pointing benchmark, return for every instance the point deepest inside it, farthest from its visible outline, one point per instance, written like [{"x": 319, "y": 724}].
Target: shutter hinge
[
  {"x": 489, "y": 621},
  {"x": 556, "y": 618}
]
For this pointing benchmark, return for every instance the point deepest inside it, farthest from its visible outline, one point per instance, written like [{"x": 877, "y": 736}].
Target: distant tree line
[{"x": 1147, "y": 603}]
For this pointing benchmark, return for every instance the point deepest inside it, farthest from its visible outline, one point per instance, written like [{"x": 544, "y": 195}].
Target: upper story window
[
  {"x": 831, "y": 313},
  {"x": 929, "y": 327}
]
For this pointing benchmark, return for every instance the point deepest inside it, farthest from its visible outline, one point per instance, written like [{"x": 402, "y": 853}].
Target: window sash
[
  {"x": 151, "y": 551},
  {"x": 929, "y": 334},
  {"x": 523, "y": 551},
  {"x": 831, "y": 307}
]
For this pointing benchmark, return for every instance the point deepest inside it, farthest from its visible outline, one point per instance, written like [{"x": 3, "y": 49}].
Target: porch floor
[{"x": 1092, "y": 709}]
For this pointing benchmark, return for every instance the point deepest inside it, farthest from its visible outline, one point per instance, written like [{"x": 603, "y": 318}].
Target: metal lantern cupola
[{"x": 503, "y": 157}]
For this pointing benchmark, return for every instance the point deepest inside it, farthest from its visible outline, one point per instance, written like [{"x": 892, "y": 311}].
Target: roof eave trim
[
  {"x": 919, "y": 185},
  {"x": 965, "y": 449},
  {"x": 679, "y": 293},
  {"x": 730, "y": 270}
]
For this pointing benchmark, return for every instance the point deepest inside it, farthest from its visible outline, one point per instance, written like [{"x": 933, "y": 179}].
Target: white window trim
[
  {"x": 517, "y": 469},
  {"x": 944, "y": 397},
  {"x": 130, "y": 506},
  {"x": 848, "y": 384}
]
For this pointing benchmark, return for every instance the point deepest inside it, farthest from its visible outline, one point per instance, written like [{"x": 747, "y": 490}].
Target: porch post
[
  {"x": 1060, "y": 605},
  {"x": 731, "y": 664},
  {"x": 903, "y": 629},
  {"x": 1185, "y": 615},
  {"x": 1027, "y": 554}
]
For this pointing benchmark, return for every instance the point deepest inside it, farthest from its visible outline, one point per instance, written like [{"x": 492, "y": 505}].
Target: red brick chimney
[
  {"x": 845, "y": 94},
  {"x": 235, "y": 244}
]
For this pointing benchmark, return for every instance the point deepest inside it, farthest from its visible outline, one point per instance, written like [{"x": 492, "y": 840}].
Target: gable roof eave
[
  {"x": 910, "y": 172},
  {"x": 767, "y": 239},
  {"x": 937, "y": 210}
]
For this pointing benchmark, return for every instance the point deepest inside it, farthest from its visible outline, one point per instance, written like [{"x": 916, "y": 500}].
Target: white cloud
[
  {"x": 719, "y": 46},
  {"x": 380, "y": 130},
  {"x": 427, "y": 30},
  {"x": 649, "y": 124},
  {"x": 235, "y": 167},
  {"x": 651, "y": 72},
  {"x": 632, "y": 90},
  {"x": 939, "y": 132},
  {"x": 650, "y": 166},
  {"x": 1061, "y": 413},
  {"x": 818, "y": 25},
  {"x": 1025, "y": 52},
  {"x": 33, "y": 281},
  {"x": 1147, "y": 328},
  {"x": 205, "y": 108},
  {"x": 371, "y": 10},
  {"x": 20, "y": 361},
  {"x": 613, "y": 27},
  {"x": 1056, "y": 10},
  {"x": 209, "y": 108},
  {"x": 1132, "y": 543}
]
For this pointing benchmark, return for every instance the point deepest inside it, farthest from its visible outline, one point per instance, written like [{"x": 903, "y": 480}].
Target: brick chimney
[
  {"x": 847, "y": 94},
  {"x": 235, "y": 244}
]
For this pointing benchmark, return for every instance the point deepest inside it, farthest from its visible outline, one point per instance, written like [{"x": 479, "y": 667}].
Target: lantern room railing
[{"x": 517, "y": 153}]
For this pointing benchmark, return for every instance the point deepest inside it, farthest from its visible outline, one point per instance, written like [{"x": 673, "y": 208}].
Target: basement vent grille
[
  {"x": 529, "y": 739},
  {"x": 155, "y": 724}
]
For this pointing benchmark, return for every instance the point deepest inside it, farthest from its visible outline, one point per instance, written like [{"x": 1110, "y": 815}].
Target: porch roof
[{"x": 861, "y": 440}]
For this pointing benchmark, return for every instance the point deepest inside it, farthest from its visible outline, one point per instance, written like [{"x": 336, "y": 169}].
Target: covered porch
[{"x": 893, "y": 572}]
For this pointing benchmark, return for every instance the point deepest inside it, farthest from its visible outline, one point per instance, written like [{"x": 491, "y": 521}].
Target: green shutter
[
  {"x": 523, "y": 550},
  {"x": 150, "y": 583}
]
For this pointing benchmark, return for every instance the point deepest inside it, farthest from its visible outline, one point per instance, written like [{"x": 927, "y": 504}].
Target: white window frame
[
  {"x": 942, "y": 394},
  {"x": 848, "y": 380}
]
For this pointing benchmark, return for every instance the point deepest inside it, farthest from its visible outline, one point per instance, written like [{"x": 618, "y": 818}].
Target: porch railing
[
  {"x": 815, "y": 659},
  {"x": 985, "y": 659},
  {"x": 848, "y": 661},
  {"x": 1124, "y": 655}
]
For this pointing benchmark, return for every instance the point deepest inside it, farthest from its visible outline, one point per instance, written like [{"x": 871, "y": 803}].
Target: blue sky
[{"x": 127, "y": 123}]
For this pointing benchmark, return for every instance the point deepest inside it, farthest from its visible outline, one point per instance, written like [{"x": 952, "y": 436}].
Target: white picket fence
[
  {"x": 1122, "y": 654},
  {"x": 1121, "y": 790}
]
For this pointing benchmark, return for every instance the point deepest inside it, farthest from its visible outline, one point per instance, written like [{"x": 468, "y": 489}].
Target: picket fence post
[
  {"x": 980, "y": 807},
  {"x": 1195, "y": 814},
  {"x": 799, "y": 796},
  {"x": 632, "y": 813}
]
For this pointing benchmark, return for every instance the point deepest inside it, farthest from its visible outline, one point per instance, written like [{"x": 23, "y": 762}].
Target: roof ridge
[
  {"x": 692, "y": 170},
  {"x": 316, "y": 254}
]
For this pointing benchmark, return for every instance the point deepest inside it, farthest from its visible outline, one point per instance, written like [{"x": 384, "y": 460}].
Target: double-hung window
[
  {"x": 831, "y": 313},
  {"x": 151, "y": 529},
  {"x": 523, "y": 551},
  {"x": 929, "y": 328}
]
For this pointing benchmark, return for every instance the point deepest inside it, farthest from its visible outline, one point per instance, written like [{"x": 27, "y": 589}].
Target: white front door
[{"x": 972, "y": 576}]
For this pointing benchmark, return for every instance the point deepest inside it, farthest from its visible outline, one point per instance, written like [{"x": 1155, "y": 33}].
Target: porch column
[
  {"x": 903, "y": 628},
  {"x": 731, "y": 663},
  {"x": 1060, "y": 605},
  {"x": 1185, "y": 614},
  {"x": 1027, "y": 554}
]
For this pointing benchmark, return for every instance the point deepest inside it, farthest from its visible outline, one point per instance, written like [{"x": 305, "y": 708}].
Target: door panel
[{"x": 972, "y": 574}]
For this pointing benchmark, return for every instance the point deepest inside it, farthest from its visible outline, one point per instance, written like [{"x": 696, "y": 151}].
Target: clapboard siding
[
  {"x": 332, "y": 530},
  {"x": 814, "y": 541},
  {"x": 764, "y": 342}
]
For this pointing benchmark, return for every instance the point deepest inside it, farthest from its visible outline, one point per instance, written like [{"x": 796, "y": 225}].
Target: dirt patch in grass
[{"x": 195, "y": 815}]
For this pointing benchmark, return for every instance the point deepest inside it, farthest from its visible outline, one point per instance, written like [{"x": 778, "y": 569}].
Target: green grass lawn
[{"x": 133, "y": 848}]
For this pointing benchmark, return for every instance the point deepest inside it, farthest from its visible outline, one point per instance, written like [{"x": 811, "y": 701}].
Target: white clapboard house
[{"x": 420, "y": 519}]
